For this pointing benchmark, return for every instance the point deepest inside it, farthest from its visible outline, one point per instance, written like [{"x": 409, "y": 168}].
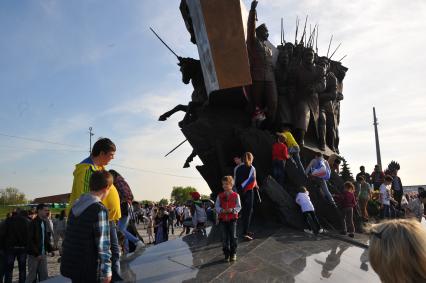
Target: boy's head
[
  {"x": 349, "y": 187},
  {"x": 362, "y": 169},
  {"x": 302, "y": 189},
  {"x": 388, "y": 179},
  {"x": 42, "y": 210},
  {"x": 100, "y": 182},
  {"x": 318, "y": 155},
  {"x": 104, "y": 150},
  {"x": 281, "y": 138},
  {"x": 227, "y": 183}
]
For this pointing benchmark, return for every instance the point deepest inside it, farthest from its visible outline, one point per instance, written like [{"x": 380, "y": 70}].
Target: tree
[
  {"x": 163, "y": 202},
  {"x": 182, "y": 194},
  {"x": 145, "y": 202},
  {"x": 205, "y": 197},
  {"x": 346, "y": 173},
  {"x": 11, "y": 195}
]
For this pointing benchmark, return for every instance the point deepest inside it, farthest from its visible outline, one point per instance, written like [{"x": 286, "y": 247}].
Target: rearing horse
[{"x": 191, "y": 72}]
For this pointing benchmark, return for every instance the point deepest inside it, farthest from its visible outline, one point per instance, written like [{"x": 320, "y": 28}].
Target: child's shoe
[{"x": 234, "y": 257}]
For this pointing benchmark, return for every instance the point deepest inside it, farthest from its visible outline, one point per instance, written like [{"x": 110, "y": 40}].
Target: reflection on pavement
[{"x": 275, "y": 255}]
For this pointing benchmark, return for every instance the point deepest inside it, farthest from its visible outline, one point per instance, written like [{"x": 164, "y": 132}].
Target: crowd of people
[{"x": 101, "y": 223}]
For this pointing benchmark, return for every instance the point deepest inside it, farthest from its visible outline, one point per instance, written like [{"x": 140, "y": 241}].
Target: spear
[
  {"x": 343, "y": 58},
  {"x": 304, "y": 29},
  {"x": 331, "y": 39},
  {"x": 297, "y": 28},
  {"x": 312, "y": 37},
  {"x": 335, "y": 50},
  {"x": 282, "y": 36},
  {"x": 316, "y": 42},
  {"x": 178, "y": 57},
  {"x": 175, "y": 148}
]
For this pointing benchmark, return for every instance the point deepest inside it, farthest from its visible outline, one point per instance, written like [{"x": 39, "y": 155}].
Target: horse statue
[{"x": 191, "y": 72}]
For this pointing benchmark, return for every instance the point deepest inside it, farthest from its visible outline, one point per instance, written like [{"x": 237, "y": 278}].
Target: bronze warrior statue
[
  {"x": 263, "y": 89},
  {"x": 327, "y": 98},
  {"x": 306, "y": 82},
  {"x": 340, "y": 72},
  {"x": 285, "y": 101}
]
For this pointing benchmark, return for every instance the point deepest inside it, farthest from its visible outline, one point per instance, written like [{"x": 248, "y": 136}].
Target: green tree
[
  {"x": 145, "y": 202},
  {"x": 163, "y": 202},
  {"x": 205, "y": 197},
  {"x": 346, "y": 173},
  {"x": 182, "y": 194},
  {"x": 11, "y": 195}
]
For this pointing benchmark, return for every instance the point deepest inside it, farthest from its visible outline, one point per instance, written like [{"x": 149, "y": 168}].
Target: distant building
[
  {"x": 413, "y": 188},
  {"x": 64, "y": 198}
]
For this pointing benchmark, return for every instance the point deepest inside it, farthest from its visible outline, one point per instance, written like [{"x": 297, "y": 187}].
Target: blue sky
[{"x": 69, "y": 65}]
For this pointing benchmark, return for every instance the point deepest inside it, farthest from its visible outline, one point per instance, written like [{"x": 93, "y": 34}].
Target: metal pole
[
  {"x": 90, "y": 139},
  {"x": 376, "y": 132}
]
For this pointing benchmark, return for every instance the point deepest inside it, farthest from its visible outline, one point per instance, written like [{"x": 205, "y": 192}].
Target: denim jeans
[
  {"x": 115, "y": 252},
  {"x": 278, "y": 167},
  {"x": 122, "y": 226},
  {"x": 325, "y": 191},
  {"x": 229, "y": 237},
  {"x": 37, "y": 266},
  {"x": 386, "y": 211},
  {"x": 21, "y": 255},
  {"x": 295, "y": 154},
  {"x": 247, "y": 210}
]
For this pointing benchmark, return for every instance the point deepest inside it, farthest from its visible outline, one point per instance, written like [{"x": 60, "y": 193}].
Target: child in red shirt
[{"x": 279, "y": 158}]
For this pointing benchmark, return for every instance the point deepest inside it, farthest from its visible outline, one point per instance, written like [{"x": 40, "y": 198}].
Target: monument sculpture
[{"x": 242, "y": 97}]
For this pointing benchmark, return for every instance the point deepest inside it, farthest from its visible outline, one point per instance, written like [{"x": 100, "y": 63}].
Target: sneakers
[
  {"x": 321, "y": 231},
  {"x": 351, "y": 235},
  {"x": 139, "y": 246},
  {"x": 226, "y": 258},
  {"x": 307, "y": 231},
  {"x": 233, "y": 257},
  {"x": 248, "y": 238}
]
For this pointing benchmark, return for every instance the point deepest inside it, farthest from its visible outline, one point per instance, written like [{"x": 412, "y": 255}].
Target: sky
[{"x": 70, "y": 65}]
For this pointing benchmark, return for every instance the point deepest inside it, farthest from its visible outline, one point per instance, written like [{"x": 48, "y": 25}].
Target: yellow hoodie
[{"x": 80, "y": 186}]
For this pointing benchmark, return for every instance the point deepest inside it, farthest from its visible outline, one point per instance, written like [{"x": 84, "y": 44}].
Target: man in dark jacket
[
  {"x": 86, "y": 253},
  {"x": 397, "y": 188},
  {"x": 15, "y": 241},
  {"x": 39, "y": 245}
]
